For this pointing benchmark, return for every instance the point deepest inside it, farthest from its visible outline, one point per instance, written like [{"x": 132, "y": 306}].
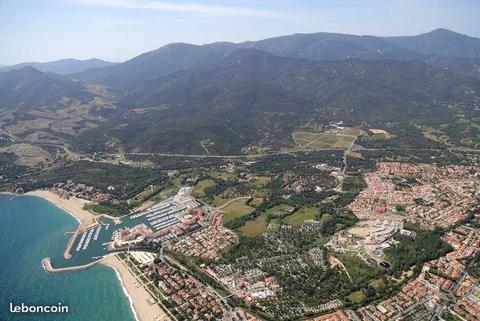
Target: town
[{"x": 197, "y": 268}]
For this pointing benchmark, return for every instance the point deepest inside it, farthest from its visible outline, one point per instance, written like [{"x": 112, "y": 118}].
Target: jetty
[
  {"x": 47, "y": 266},
  {"x": 82, "y": 227}
]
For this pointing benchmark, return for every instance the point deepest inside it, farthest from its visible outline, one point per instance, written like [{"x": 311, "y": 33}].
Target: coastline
[
  {"x": 137, "y": 296},
  {"x": 74, "y": 207}
]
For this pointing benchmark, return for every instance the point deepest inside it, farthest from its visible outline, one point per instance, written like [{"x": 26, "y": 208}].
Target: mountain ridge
[
  {"x": 61, "y": 66},
  {"x": 252, "y": 97},
  {"x": 316, "y": 46},
  {"x": 28, "y": 87}
]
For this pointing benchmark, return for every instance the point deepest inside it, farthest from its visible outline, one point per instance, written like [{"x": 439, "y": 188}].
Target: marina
[
  {"x": 79, "y": 246},
  {"x": 91, "y": 240}
]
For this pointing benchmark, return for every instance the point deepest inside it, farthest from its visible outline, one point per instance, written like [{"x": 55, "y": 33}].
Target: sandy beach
[
  {"x": 138, "y": 296},
  {"x": 73, "y": 206},
  {"x": 143, "y": 310}
]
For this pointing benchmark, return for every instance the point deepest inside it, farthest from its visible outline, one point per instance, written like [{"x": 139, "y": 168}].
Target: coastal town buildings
[{"x": 430, "y": 195}]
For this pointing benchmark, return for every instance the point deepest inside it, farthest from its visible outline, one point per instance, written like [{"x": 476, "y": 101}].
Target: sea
[{"x": 32, "y": 228}]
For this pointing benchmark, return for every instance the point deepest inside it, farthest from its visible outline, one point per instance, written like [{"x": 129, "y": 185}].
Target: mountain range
[
  {"x": 317, "y": 46},
  {"x": 62, "y": 66},
  {"x": 28, "y": 87},
  {"x": 231, "y": 97}
]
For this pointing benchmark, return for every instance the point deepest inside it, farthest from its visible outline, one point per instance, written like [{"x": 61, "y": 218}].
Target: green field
[
  {"x": 199, "y": 190},
  {"x": 376, "y": 284},
  {"x": 357, "y": 296},
  {"x": 297, "y": 218},
  {"x": 341, "y": 139},
  {"x": 222, "y": 175},
  {"x": 236, "y": 209},
  {"x": 260, "y": 182},
  {"x": 219, "y": 200},
  {"x": 259, "y": 225},
  {"x": 255, "y": 227},
  {"x": 256, "y": 202}
]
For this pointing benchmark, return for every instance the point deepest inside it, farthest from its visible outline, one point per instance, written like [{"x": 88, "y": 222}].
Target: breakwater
[{"x": 47, "y": 266}]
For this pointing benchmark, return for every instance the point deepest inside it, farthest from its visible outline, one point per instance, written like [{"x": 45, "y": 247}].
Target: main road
[{"x": 275, "y": 152}]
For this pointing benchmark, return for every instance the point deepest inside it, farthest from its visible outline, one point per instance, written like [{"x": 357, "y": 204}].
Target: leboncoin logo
[{"x": 24, "y": 308}]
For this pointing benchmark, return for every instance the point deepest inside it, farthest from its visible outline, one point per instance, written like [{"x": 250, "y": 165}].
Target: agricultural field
[
  {"x": 333, "y": 138},
  {"x": 379, "y": 133}
]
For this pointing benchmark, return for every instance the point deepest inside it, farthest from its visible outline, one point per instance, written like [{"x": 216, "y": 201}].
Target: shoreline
[
  {"x": 74, "y": 207},
  {"x": 124, "y": 289},
  {"x": 137, "y": 296}
]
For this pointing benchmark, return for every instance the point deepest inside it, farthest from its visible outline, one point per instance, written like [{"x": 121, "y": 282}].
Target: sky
[{"x": 118, "y": 30}]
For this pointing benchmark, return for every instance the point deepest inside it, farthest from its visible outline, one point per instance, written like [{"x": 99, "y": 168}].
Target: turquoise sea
[{"x": 30, "y": 229}]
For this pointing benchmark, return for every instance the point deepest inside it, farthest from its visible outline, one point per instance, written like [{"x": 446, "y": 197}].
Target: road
[
  {"x": 345, "y": 157},
  {"x": 205, "y": 148},
  {"x": 275, "y": 152}
]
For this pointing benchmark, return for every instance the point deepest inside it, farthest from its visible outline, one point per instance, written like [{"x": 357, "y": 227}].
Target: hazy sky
[{"x": 117, "y": 30}]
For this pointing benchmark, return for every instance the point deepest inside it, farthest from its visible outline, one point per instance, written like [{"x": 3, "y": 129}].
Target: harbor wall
[{"x": 47, "y": 266}]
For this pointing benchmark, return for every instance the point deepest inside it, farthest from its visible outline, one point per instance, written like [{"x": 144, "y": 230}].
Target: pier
[
  {"x": 81, "y": 228},
  {"x": 47, "y": 266},
  {"x": 66, "y": 253}
]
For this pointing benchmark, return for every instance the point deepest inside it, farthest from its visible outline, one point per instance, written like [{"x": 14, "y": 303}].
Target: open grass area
[
  {"x": 199, "y": 190},
  {"x": 222, "y": 175},
  {"x": 219, "y": 200},
  {"x": 259, "y": 225},
  {"x": 255, "y": 227},
  {"x": 297, "y": 218},
  {"x": 337, "y": 138},
  {"x": 165, "y": 193},
  {"x": 236, "y": 208},
  {"x": 343, "y": 142},
  {"x": 376, "y": 284},
  {"x": 256, "y": 202},
  {"x": 260, "y": 182},
  {"x": 261, "y": 193},
  {"x": 28, "y": 155},
  {"x": 357, "y": 296}
]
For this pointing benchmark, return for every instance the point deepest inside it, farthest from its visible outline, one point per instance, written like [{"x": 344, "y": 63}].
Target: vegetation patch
[
  {"x": 426, "y": 246},
  {"x": 341, "y": 138},
  {"x": 357, "y": 296},
  {"x": 297, "y": 218},
  {"x": 236, "y": 208},
  {"x": 358, "y": 270},
  {"x": 255, "y": 227},
  {"x": 199, "y": 190}
]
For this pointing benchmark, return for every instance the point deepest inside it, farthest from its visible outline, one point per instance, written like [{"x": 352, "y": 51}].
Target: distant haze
[
  {"x": 116, "y": 30},
  {"x": 61, "y": 67}
]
